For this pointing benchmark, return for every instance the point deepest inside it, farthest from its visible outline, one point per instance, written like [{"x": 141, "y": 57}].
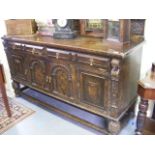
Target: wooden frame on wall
[{"x": 92, "y": 32}]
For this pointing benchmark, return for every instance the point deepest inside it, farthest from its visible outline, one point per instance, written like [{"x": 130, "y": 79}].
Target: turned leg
[
  {"x": 141, "y": 115},
  {"x": 114, "y": 127},
  {"x": 16, "y": 87}
]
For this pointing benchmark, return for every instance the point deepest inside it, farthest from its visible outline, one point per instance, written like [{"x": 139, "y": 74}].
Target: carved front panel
[
  {"x": 92, "y": 89},
  {"x": 17, "y": 64},
  {"x": 37, "y": 73},
  {"x": 61, "y": 81}
]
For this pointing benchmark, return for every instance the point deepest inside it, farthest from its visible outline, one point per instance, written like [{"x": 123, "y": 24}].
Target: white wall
[
  {"x": 3, "y": 60},
  {"x": 149, "y": 47},
  {"x": 147, "y": 58}
]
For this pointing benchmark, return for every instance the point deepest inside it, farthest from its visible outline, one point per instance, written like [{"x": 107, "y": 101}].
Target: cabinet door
[
  {"x": 61, "y": 80},
  {"x": 91, "y": 89},
  {"x": 17, "y": 65},
  {"x": 37, "y": 73}
]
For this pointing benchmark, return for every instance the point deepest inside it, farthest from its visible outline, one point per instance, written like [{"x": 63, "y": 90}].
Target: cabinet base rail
[{"x": 108, "y": 126}]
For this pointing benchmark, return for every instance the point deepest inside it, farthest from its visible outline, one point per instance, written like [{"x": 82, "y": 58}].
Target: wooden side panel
[{"x": 130, "y": 74}]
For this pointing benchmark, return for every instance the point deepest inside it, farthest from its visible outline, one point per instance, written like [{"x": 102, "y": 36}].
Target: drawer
[
  {"x": 99, "y": 62},
  {"x": 18, "y": 47},
  {"x": 59, "y": 54}
]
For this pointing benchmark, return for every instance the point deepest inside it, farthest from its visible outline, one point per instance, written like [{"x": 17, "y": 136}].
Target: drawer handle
[
  {"x": 48, "y": 79},
  {"x": 33, "y": 51},
  {"x": 91, "y": 61}
]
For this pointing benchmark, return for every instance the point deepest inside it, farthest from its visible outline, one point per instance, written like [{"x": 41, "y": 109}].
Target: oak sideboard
[{"x": 84, "y": 72}]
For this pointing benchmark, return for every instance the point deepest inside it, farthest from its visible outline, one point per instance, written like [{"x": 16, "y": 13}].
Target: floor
[{"x": 44, "y": 122}]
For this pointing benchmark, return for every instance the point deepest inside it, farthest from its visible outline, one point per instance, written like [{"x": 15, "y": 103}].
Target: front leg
[
  {"x": 141, "y": 116},
  {"x": 16, "y": 87},
  {"x": 114, "y": 127}
]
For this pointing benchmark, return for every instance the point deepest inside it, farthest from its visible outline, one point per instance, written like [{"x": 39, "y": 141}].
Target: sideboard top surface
[{"x": 80, "y": 44}]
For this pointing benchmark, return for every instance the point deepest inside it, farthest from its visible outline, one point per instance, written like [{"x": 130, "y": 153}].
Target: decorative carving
[
  {"x": 143, "y": 106},
  {"x": 115, "y": 72},
  {"x": 18, "y": 66},
  {"x": 37, "y": 69},
  {"x": 114, "y": 92},
  {"x": 115, "y": 68},
  {"x": 62, "y": 80},
  {"x": 91, "y": 90},
  {"x": 114, "y": 127}
]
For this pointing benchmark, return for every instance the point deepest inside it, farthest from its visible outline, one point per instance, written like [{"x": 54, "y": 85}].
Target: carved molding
[{"x": 115, "y": 71}]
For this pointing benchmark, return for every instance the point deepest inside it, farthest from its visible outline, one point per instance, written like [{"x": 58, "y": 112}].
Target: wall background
[{"x": 4, "y": 61}]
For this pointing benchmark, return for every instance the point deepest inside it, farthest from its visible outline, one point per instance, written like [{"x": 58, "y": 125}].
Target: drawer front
[
  {"x": 41, "y": 51},
  {"x": 59, "y": 54},
  {"x": 28, "y": 49},
  {"x": 94, "y": 61}
]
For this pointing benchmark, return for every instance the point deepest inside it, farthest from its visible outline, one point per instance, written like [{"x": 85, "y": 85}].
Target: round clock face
[{"x": 62, "y": 22}]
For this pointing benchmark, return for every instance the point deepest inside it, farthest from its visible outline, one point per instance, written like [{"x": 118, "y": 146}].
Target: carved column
[
  {"x": 141, "y": 115},
  {"x": 114, "y": 126},
  {"x": 115, "y": 72}
]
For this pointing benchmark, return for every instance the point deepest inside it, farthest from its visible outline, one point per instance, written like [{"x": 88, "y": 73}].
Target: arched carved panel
[
  {"x": 18, "y": 66},
  {"x": 37, "y": 70},
  {"x": 61, "y": 81}
]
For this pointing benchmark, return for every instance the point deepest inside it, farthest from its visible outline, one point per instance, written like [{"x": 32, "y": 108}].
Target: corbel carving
[{"x": 115, "y": 63}]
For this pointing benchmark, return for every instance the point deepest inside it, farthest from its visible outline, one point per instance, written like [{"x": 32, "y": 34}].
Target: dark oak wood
[
  {"x": 84, "y": 72},
  {"x": 3, "y": 92},
  {"x": 146, "y": 90}
]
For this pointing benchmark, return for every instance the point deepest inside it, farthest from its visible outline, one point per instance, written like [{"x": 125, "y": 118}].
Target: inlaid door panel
[
  {"x": 37, "y": 73},
  {"x": 91, "y": 89},
  {"x": 17, "y": 65},
  {"x": 61, "y": 80}
]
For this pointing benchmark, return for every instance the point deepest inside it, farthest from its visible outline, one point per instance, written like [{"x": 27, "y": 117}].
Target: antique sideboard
[
  {"x": 89, "y": 72},
  {"x": 83, "y": 72}
]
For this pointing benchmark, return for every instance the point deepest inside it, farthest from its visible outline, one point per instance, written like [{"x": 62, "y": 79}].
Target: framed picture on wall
[{"x": 92, "y": 27}]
